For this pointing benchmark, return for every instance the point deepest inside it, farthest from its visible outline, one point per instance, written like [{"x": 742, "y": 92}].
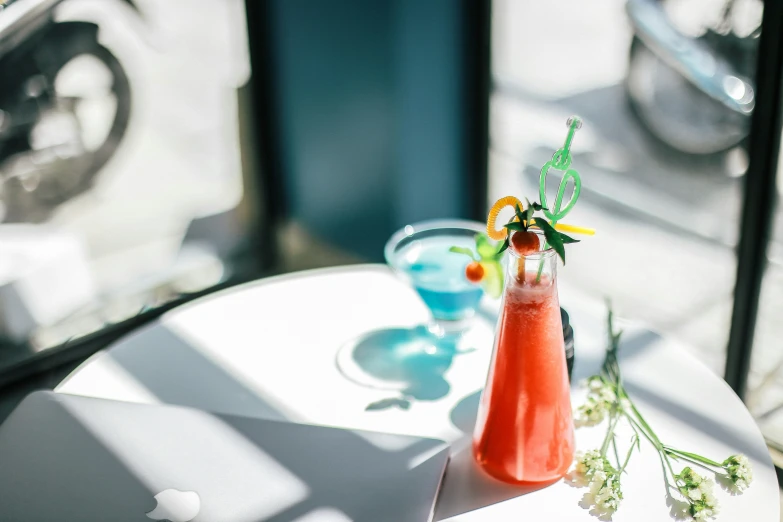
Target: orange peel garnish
[{"x": 492, "y": 232}]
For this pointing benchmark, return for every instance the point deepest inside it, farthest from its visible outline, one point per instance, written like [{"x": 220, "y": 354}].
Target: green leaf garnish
[
  {"x": 484, "y": 248},
  {"x": 462, "y": 250},
  {"x": 488, "y": 255},
  {"x": 567, "y": 239},
  {"x": 553, "y": 237},
  {"x": 515, "y": 225},
  {"x": 529, "y": 215},
  {"x": 493, "y": 278}
]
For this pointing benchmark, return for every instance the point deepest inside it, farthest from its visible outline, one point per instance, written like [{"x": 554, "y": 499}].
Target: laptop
[{"x": 71, "y": 458}]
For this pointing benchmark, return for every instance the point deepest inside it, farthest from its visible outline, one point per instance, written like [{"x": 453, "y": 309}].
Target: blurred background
[{"x": 152, "y": 151}]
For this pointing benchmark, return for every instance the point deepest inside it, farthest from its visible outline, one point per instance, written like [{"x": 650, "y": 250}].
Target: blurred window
[
  {"x": 123, "y": 181},
  {"x": 661, "y": 156}
]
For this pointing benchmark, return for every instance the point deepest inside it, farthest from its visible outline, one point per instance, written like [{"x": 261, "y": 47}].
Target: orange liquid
[{"x": 524, "y": 432}]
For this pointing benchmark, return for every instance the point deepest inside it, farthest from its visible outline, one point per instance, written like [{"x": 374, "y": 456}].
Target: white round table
[{"x": 269, "y": 348}]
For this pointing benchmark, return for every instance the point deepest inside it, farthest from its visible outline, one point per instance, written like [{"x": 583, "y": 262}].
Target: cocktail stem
[{"x": 443, "y": 328}]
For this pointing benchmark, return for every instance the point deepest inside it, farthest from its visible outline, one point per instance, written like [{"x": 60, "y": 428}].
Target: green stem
[
  {"x": 694, "y": 457},
  {"x": 628, "y": 456},
  {"x": 662, "y": 451},
  {"x": 642, "y": 422},
  {"x": 669, "y": 464},
  {"x": 638, "y": 428},
  {"x": 614, "y": 446},
  {"x": 636, "y": 432},
  {"x": 609, "y": 433},
  {"x": 610, "y": 323},
  {"x": 664, "y": 465},
  {"x": 610, "y": 373},
  {"x": 694, "y": 462}
]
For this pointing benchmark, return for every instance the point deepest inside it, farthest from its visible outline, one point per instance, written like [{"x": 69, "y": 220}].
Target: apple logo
[{"x": 176, "y": 506}]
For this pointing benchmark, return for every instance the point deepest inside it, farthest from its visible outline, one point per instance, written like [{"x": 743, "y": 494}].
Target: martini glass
[
  {"x": 413, "y": 360},
  {"x": 420, "y": 255}
]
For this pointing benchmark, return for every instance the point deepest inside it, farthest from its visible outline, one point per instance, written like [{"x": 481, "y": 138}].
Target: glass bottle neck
[{"x": 539, "y": 269}]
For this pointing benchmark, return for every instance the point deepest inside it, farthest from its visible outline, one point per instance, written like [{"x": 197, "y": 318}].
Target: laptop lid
[{"x": 67, "y": 457}]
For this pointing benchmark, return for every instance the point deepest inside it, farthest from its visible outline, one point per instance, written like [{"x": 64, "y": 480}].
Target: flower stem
[
  {"x": 669, "y": 464},
  {"x": 616, "y": 453},
  {"x": 693, "y": 457},
  {"x": 630, "y": 451},
  {"x": 635, "y": 425},
  {"x": 609, "y": 432},
  {"x": 658, "y": 444},
  {"x": 694, "y": 462}
]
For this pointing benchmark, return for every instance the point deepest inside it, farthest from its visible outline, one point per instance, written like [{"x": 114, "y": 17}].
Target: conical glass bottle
[{"x": 524, "y": 432}]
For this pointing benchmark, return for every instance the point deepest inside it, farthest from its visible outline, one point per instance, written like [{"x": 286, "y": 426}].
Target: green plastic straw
[{"x": 561, "y": 160}]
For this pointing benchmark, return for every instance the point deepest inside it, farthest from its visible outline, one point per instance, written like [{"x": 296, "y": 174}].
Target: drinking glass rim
[{"x": 426, "y": 226}]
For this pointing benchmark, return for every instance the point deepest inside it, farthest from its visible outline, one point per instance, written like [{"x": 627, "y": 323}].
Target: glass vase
[{"x": 524, "y": 431}]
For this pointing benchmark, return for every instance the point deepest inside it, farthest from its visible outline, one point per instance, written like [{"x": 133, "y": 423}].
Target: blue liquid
[{"x": 439, "y": 275}]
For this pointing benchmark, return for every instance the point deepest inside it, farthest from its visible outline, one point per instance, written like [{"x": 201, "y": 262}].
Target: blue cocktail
[
  {"x": 420, "y": 253},
  {"x": 412, "y": 361}
]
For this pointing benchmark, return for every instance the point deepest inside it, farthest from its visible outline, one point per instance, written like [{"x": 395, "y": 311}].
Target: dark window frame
[{"x": 759, "y": 197}]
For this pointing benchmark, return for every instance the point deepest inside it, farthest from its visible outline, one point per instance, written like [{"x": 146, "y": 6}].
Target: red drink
[{"x": 524, "y": 432}]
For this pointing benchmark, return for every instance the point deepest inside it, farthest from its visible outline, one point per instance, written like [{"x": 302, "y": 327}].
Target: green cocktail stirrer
[{"x": 561, "y": 160}]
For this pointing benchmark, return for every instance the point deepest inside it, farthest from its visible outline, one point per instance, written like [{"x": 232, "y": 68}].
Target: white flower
[
  {"x": 589, "y": 462},
  {"x": 600, "y": 398},
  {"x": 604, "y": 481},
  {"x": 580, "y": 467},
  {"x": 605, "y": 488},
  {"x": 595, "y": 383},
  {"x": 705, "y": 514},
  {"x": 607, "y": 395},
  {"x": 738, "y": 469},
  {"x": 607, "y": 498},
  {"x": 698, "y": 491},
  {"x": 597, "y": 482},
  {"x": 592, "y": 412}
]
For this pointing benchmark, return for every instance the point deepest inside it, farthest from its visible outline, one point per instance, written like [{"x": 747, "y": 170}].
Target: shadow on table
[
  {"x": 467, "y": 487},
  {"x": 633, "y": 344},
  {"x": 176, "y": 372},
  {"x": 636, "y": 343},
  {"x": 698, "y": 420},
  {"x": 463, "y": 415},
  {"x": 413, "y": 360},
  {"x": 170, "y": 368}
]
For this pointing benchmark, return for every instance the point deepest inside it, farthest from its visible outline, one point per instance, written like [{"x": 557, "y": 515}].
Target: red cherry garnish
[
  {"x": 524, "y": 242},
  {"x": 474, "y": 272}
]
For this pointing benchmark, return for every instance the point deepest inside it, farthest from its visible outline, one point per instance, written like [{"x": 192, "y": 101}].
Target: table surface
[{"x": 269, "y": 349}]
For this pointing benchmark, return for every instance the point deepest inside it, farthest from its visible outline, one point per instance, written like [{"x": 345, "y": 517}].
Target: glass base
[{"x": 411, "y": 361}]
